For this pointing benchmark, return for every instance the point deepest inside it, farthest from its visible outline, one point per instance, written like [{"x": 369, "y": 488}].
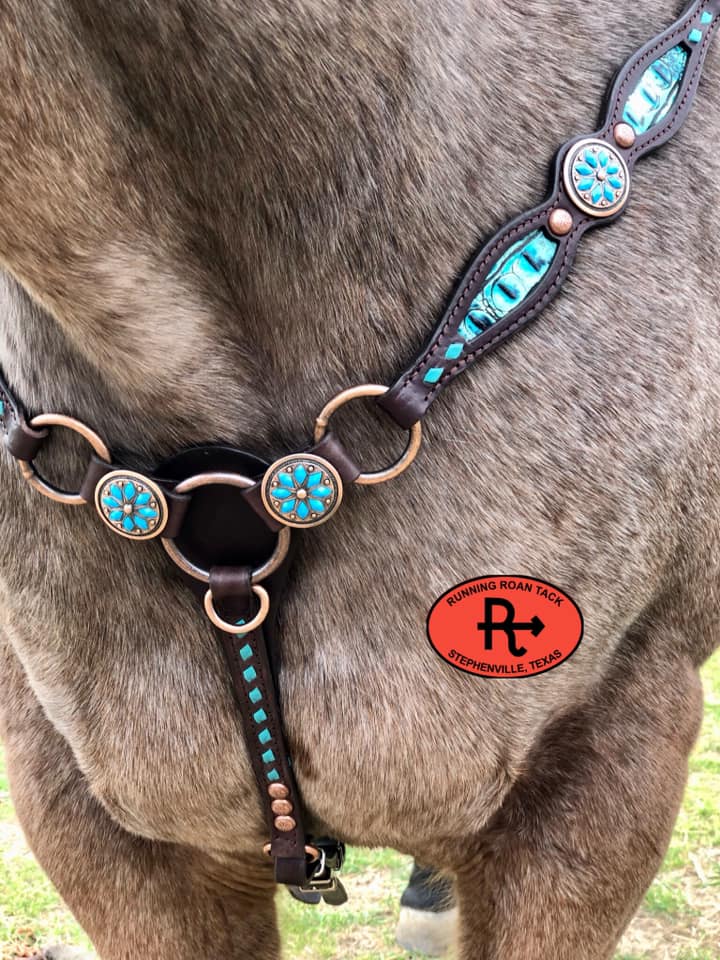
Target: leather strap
[
  {"x": 254, "y": 687},
  {"x": 21, "y": 441},
  {"x": 474, "y": 323}
]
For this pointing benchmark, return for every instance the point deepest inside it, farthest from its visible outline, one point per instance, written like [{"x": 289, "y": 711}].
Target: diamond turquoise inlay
[
  {"x": 695, "y": 36},
  {"x": 706, "y": 18},
  {"x": 265, "y": 736},
  {"x": 454, "y": 351},
  {"x": 268, "y": 757},
  {"x": 657, "y": 90},
  {"x": 255, "y": 695},
  {"x": 250, "y": 674},
  {"x": 260, "y": 716},
  {"x": 432, "y": 376},
  {"x": 246, "y": 652},
  {"x": 273, "y": 776}
]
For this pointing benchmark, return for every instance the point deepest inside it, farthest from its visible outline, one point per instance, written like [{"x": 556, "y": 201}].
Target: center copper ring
[{"x": 232, "y": 480}]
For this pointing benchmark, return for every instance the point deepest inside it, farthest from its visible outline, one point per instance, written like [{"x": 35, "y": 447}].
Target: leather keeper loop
[
  {"x": 253, "y": 497},
  {"x": 96, "y": 470},
  {"x": 330, "y": 449},
  {"x": 23, "y": 442},
  {"x": 178, "y": 504},
  {"x": 231, "y": 582}
]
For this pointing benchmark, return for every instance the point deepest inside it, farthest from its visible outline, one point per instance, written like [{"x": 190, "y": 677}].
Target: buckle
[{"x": 323, "y": 881}]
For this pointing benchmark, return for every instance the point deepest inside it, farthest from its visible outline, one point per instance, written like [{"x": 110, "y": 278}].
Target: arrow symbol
[
  {"x": 536, "y": 626},
  {"x": 508, "y": 625}
]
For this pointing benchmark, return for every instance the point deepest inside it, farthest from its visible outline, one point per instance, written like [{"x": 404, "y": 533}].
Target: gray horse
[{"x": 215, "y": 215}]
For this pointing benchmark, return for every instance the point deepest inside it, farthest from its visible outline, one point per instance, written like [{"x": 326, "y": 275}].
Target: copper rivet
[
  {"x": 624, "y": 135},
  {"x": 281, "y": 807},
  {"x": 278, "y": 791},
  {"x": 560, "y": 222},
  {"x": 285, "y": 824}
]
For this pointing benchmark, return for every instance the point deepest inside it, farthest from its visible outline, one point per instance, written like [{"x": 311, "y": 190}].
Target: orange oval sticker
[{"x": 505, "y": 627}]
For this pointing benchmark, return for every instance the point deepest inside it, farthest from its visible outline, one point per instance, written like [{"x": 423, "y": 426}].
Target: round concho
[
  {"x": 302, "y": 490},
  {"x": 597, "y": 178},
  {"x": 131, "y": 505}
]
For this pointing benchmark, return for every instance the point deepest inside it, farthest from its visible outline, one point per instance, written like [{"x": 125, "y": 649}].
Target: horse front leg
[
  {"x": 563, "y": 867},
  {"x": 133, "y": 896}
]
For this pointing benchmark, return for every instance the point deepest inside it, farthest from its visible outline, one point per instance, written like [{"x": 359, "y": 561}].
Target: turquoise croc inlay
[
  {"x": 512, "y": 280},
  {"x": 302, "y": 491},
  {"x": 131, "y": 504},
  {"x": 651, "y": 100}
]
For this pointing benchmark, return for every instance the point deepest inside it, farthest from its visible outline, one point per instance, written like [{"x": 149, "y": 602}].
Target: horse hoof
[
  {"x": 420, "y": 931},
  {"x": 428, "y": 916}
]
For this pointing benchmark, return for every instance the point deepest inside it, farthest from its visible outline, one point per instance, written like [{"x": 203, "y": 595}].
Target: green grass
[{"x": 680, "y": 919}]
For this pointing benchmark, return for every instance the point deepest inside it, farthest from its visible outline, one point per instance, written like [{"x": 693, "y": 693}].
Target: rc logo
[{"x": 505, "y": 627}]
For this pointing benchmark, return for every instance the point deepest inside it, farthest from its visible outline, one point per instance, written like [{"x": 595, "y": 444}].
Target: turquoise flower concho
[
  {"x": 596, "y": 178},
  {"x": 302, "y": 490},
  {"x": 131, "y": 505}
]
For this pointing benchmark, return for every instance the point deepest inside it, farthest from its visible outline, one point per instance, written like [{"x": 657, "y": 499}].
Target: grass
[{"x": 679, "y": 920}]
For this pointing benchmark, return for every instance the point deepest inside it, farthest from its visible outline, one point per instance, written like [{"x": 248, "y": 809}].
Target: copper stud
[
  {"x": 560, "y": 222},
  {"x": 281, "y": 807},
  {"x": 285, "y": 824},
  {"x": 624, "y": 135},
  {"x": 278, "y": 791}
]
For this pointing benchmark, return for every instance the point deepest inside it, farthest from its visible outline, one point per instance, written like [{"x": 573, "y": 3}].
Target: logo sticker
[{"x": 505, "y": 627}]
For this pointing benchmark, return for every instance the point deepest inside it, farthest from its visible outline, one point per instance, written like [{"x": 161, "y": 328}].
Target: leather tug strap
[
  {"x": 254, "y": 686},
  {"x": 477, "y": 319}
]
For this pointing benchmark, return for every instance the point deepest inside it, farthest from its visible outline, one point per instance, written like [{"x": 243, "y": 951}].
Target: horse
[{"x": 215, "y": 217}]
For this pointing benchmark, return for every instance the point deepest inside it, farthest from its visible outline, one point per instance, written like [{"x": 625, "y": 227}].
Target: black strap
[{"x": 473, "y": 325}]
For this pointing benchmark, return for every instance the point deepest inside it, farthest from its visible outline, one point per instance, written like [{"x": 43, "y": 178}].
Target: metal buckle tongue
[{"x": 324, "y": 881}]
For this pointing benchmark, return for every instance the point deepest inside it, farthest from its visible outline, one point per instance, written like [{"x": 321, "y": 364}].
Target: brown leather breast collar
[{"x": 224, "y": 516}]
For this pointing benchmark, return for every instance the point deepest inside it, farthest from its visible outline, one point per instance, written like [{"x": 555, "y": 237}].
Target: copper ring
[
  {"x": 27, "y": 467},
  {"x": 355, "y": 393},
  {"x": 232, "y": 480},
  {"x": 257, "y": 621},
  {"x": 311, "y": 852}
]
